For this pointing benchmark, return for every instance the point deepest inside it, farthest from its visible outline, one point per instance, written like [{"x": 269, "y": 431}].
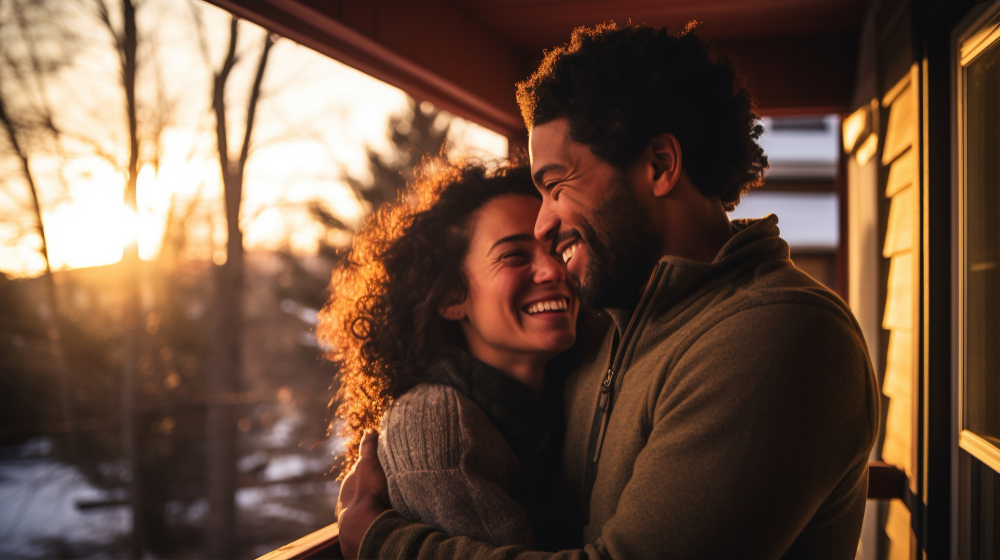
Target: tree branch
[
  {"x": 254, "y": 98},
  {"x": 219, "y": 99}
]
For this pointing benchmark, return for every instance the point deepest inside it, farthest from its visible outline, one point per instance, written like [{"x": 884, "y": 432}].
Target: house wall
[
  {"x": 883, "y": 200},
  {"x": 900, "y": 228}
]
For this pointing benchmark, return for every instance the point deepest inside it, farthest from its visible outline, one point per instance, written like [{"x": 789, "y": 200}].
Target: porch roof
[{"x": 466, "y": 55}]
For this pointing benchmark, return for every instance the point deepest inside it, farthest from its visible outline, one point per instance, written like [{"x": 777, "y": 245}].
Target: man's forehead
[{"x": 549, "y": 144}]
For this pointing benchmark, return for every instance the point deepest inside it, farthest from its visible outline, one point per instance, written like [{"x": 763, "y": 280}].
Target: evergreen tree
[{"x": 419, "y": 131}]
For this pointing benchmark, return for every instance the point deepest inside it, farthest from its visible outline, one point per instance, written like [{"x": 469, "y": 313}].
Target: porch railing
[
  {"x": 885, "y": 482},
  {"x": 324, "y": 543}
]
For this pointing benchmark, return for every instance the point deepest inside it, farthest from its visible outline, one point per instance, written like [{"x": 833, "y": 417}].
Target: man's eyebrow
[
  {"x": 537, "y": 177},
  {"x": 512, "y": 239}
]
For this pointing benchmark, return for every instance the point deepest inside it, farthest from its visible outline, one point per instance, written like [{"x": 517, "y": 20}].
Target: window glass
[{"x": 982, "y": 246}]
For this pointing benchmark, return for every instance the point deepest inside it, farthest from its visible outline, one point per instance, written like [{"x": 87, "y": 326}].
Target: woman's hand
[{"x": 364, "y": 495}]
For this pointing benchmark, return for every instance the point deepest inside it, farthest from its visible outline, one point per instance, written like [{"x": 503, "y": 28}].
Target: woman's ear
[{"x": 453, "y": 312}]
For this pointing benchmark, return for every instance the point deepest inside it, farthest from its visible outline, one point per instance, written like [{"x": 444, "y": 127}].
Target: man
[{"x": 732, "y": 406}]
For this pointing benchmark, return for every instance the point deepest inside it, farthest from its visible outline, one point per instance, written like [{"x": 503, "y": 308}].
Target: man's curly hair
[
  {"x": 382, "y": 323},
  {"x": 619, "y": 87}
]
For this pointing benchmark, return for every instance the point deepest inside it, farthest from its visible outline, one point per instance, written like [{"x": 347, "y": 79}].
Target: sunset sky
[{"x": 314, "y": 121}]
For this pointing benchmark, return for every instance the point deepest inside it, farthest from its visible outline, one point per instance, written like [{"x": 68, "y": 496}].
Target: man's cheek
[{"x": 577, "y": 266}]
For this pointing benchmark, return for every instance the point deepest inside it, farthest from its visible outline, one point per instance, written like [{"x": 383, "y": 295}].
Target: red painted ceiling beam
[{"x": 427, "y": 49}]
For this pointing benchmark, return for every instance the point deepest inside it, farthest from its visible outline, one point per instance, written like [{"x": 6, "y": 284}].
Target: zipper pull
[
  {"x": 605, "y": 396},
  {"x": 606, "y": 383}
]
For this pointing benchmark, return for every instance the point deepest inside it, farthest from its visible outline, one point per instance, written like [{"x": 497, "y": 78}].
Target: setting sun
[{"x": 92, "y": 226}]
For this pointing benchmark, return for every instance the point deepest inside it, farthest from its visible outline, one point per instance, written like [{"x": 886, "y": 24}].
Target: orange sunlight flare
[{"x": 95, "y": 226}]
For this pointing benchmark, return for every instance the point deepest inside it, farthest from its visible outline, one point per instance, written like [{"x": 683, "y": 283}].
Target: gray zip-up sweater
[{"x": 730, "y": 415}]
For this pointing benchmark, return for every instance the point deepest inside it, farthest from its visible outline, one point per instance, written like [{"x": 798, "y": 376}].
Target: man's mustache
[{"x": 565, "y": 235}]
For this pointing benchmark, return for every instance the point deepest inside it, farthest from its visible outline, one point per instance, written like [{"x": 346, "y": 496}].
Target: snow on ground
[
  {"x": 38, "y": 498},
  {"x": 39, "y": 517}
]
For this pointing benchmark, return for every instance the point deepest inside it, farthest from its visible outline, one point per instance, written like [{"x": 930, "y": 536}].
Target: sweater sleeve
[
  {"x": 447, "y": 466},
  {"x": 748, "y": 436}
]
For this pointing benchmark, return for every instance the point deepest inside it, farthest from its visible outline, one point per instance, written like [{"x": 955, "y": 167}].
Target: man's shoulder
[
  {"x": 758, "y": 323},
  {"x": 778, "y": 318},
  {"x": 777, "y": 292}
]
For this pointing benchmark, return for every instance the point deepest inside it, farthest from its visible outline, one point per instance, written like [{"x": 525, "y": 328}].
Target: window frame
[{"x": 982, "y": 34}]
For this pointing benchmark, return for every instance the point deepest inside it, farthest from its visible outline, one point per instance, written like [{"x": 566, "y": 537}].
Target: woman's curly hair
[
  {"x": 382, "y": 324},
  {"x": 619, "y": 87}
]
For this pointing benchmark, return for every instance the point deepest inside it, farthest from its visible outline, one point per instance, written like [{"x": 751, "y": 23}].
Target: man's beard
[{"x": 624, "y": 247}]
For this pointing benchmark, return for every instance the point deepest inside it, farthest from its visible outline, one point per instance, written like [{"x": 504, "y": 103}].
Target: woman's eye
[{"x": 515, "y": 257}]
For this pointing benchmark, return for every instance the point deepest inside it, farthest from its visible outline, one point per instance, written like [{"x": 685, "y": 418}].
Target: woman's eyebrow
[{"x": 512, "y": 239}]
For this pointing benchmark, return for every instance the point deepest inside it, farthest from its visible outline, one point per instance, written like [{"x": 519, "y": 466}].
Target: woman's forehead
[{"x": 507, "y": 216}]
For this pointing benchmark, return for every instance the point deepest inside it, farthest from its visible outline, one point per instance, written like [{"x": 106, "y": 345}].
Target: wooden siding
[{"x": 902, "y": 180}]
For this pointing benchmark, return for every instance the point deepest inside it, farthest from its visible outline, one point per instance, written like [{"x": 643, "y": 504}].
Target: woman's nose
[{"x": 549, "y": 269}]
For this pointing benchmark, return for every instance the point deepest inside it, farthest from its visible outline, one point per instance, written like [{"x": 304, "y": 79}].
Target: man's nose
[
  {"x": 549, "y": 269},
  {"x": 547, "y": 222}
]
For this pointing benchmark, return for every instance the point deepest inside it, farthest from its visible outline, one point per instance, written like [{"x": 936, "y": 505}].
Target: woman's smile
[
  {"x": 521, "y": 303},
  {"x": 552, "y": 305}
]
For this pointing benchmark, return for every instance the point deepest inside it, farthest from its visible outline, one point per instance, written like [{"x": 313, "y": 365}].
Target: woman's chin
[{"x": 555, "y": 343}]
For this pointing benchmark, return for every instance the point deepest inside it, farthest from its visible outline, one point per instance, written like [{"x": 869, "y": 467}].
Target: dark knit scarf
[
  {"x": 533, "y": 429},
  {"x": 508, "y": 403}
]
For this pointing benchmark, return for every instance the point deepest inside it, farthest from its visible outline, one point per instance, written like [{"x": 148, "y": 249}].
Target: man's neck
[{"x": 695, "y": 229}]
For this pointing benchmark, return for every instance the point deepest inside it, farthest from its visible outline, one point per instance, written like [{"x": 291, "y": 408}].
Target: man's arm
[
  {"x": 364, "y": 495},
  {"x": 740, "y": 455}
]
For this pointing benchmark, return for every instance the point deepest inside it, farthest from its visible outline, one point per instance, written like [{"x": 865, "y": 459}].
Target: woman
[{"x": 443, "y": 319}]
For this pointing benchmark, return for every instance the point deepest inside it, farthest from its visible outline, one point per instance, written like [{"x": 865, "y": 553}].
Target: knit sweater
[
  {"x": 729, "y": 415},
  {"x": 453, "y": 448}
]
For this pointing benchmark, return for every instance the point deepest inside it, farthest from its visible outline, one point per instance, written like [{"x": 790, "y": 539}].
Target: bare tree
[
  {"x": 126, "y": 44},
  {"x": 226, "y": 367},
  {"x": 35, "y": 127}
]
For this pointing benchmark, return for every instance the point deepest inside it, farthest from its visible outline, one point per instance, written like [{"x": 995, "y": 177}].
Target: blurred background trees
[{"x": 175, "y": 189}]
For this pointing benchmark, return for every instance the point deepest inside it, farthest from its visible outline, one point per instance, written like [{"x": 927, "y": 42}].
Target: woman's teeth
[
  {"x": 568, "y": 252},
  {"x": 550, "y": 305}
]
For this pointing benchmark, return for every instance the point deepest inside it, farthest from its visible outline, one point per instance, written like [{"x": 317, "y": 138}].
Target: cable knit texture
[{"x": 453, "y": 450}]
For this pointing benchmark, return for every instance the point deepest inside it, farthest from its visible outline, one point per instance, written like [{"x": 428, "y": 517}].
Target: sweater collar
[
  {"x": 753, "y": 240},
  {"x": 508, "y": 403}
]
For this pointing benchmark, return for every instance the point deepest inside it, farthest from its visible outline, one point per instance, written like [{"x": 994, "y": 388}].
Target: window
[{"x": 978, "y": 226}]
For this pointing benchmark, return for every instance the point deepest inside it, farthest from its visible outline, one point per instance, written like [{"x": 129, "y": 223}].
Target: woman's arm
[{"x": 448, "y": 466}]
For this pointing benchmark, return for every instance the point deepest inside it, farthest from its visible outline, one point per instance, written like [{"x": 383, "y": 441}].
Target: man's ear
[{"x": 666, "y": 162}]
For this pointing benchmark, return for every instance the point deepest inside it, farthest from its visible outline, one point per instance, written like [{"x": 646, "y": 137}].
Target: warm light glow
[
  {"x": 319, "y": 120},
  {"x": 867, "y": 150},
  {"x": 89, "y": 232},
  {"x": 93, "y": 226},
  {"x": 854, "y": 126},
  {"x": 153, "y": 200}
]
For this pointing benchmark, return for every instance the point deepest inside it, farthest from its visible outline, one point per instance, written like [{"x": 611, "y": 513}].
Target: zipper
[{"x": 604, "y": 402}]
